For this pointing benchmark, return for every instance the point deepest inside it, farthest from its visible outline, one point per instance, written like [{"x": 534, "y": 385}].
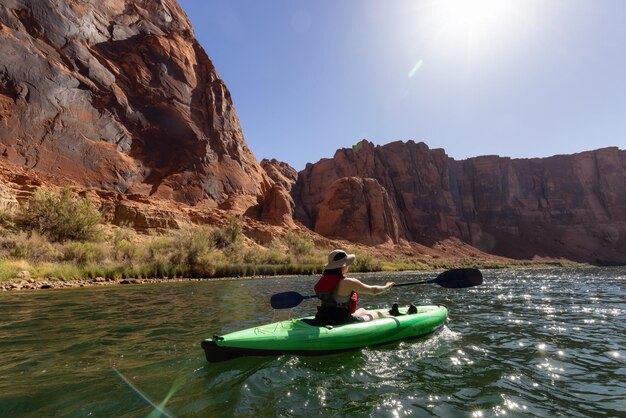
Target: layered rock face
[
  {"x": 564, "y": 206},
  {"x": 277, "y": 207},
  {"x": 415, "y": 179},
  {"x": 119, "y": 95},
  {"x": 118, "y": 99},
  {"x": 280, "y": 172},
  {"x": 358, "y": 210}
]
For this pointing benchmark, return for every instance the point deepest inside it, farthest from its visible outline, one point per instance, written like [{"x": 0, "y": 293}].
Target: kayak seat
[
  {"x": 412, "y": 309},
  {"x": 313, "y": 322},
  {"x": 394, "y": 310}
]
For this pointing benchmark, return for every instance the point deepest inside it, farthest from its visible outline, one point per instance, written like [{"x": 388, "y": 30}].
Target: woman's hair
[{"x": 334, "y": 272}]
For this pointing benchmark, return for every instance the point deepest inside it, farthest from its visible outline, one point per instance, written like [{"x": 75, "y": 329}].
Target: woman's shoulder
[
  {"x": 347, "y": 285},
  {"x": 354, "y": 284}
]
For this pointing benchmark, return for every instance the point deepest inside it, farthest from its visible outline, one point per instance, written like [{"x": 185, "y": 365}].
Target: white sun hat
[{"x": 338, "y": 259}]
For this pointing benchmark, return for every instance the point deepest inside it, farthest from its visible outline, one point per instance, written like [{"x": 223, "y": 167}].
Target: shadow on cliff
[{"x": 163, "y": 137}]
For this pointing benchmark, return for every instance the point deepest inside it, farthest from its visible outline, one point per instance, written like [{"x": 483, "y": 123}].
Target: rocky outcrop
[
  {"x": 416, "y": 179},
  {"x": 280, "y": 172},
  {"x": 276, "y": 206},
  {"x": 358, "y": 210},
  {"x": 563, "y": 206},
  {"x": 120, "y": 96}
]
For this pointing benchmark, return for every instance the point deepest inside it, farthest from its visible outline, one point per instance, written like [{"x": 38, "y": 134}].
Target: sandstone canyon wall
[
  {"x": 119, "y": 99},
  {"x": 570, "y": 206},
  {"x": 119, "y": 95}
]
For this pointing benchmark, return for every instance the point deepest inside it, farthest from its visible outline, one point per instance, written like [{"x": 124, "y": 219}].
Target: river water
[{"x": 525, "y": 343}]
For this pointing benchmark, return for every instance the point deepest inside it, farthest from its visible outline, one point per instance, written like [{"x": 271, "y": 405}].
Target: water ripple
[{"x": 526, "y": 343}]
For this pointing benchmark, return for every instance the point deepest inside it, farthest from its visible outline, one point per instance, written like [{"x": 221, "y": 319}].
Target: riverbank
[
  {"x": 33, "y": 284},
  {"x": 38, "y": 252},
  {"x": 27, "y": 283}
]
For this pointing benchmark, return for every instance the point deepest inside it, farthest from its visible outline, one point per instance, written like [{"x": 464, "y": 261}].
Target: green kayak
[{"x": 304, "y": 336}]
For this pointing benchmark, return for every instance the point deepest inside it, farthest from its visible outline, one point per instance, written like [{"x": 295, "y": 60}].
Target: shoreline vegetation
[{"x": 57, "y": 241}]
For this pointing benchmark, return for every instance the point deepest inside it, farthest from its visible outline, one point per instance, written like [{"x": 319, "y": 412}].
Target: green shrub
[
  {"x": 276, "y": 253},
  {"x": 191, "y": 250},
  {"x": 121, "y": 233},
  {"x": 299, "y": 245},
  {"x": 7, "y": 223},
  {"x": 233, "y": 230},
  {"x": 59, "y": 271},
  {"x": 31, "y": 246},
  {"x": 228, "y": 236},
  {"x": 253, "y": 256},
  {"x": 364, "y": 263},
  {"x": 157, "y": 247},
  {"x": 262, "y": 256},
  {"x": 188, "y": 252},
  {"x": 276, "y": 257},
  {"x": 61, "y": 217},
  {"x": 198, "y": 245},
  {"x": 83, "y": 253},
  {"x": 161, "y": 268},
  {"x": 9, "y": 269},
  {"x": 125, "y": 250}
]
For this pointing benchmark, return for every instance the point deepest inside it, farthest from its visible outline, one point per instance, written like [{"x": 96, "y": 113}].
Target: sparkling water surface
[{"x": 525, "y": 343}]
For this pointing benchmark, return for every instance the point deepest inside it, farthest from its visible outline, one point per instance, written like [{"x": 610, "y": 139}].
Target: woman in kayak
[{"x": 339, "y": 294}]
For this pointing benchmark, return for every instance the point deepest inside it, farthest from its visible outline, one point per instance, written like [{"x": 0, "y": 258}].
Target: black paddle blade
[
  {"x": 286, "y": 300},
  {"x": 458, "y": 278}
]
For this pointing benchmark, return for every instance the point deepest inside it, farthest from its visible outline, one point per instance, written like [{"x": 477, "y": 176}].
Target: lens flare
[
  {"x": 416, "y": 67},
  {"x": 159, "y": 410}
]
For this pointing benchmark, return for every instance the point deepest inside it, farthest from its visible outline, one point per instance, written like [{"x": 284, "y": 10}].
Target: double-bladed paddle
[{"x": 451, "y": 279}]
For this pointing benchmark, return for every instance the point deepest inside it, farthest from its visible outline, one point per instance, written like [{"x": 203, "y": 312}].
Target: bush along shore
[{"x": 57, "y": 241}]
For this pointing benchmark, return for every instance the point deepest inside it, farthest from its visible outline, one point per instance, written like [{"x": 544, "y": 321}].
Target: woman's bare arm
[{"x": 348, "y": 285}]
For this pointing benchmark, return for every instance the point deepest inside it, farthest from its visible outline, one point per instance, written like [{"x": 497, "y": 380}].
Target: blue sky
[{"x": 516, "y": 78}]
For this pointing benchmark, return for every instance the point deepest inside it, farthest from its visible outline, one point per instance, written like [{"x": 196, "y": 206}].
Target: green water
[{"x": 526, "y": 343}]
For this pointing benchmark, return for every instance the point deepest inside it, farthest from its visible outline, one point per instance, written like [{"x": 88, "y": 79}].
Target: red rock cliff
[
  {"x": 570, "y": 206},
  {"x": 119, "y": 95}
]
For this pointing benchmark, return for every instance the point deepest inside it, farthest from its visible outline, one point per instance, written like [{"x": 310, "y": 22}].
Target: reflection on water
[{"x": 526, "y": 343}]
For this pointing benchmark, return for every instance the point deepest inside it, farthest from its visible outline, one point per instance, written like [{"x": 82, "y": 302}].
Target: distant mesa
[{"x": 566, "y": 206}]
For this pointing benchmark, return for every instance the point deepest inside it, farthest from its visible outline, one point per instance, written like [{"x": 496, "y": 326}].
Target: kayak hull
[{"x": 304, "y": 337}]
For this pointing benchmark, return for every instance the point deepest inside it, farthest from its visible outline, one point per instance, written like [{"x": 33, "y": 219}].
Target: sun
[
  {"x": 473, "y": 12},
  {"x": 474, "y": 27}
]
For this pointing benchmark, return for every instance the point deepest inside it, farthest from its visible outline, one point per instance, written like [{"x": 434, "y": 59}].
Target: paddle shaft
[
  {"x": 411, "y": 283},
  {"x": 453, "y": 279}
]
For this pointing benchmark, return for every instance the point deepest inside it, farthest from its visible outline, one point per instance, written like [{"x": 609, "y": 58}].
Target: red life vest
[{"x": 325, "y": 288}]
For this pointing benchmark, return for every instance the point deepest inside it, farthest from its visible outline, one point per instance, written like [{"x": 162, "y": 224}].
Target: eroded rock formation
[
  {"x": 280, "y": 172},
  {"x": 358, "y": 210},
  {"x": 571, "y": 206},
  {"x": 119, "y": 95},
  {"x": 276, "y": 206}
]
